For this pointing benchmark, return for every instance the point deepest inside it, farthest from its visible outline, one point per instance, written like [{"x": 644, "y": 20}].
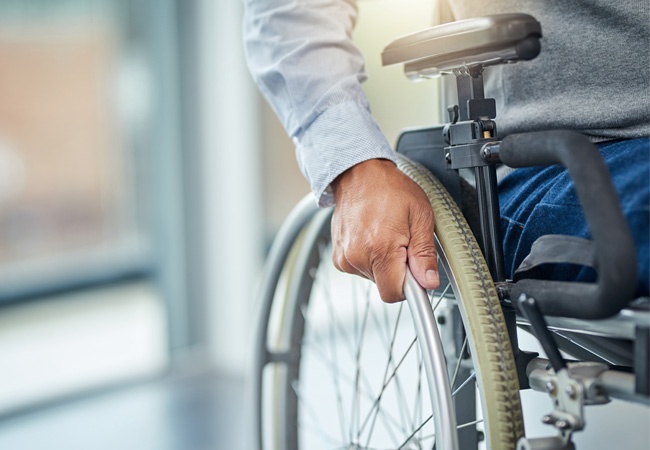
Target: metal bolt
[
  {"x": 548, "y": 419},
  {"x": 550, "y": 386},
  {"x": 571, "y": 392},
  {"x": 490, "y": 151},
  {"x": 562, "y": 424}
]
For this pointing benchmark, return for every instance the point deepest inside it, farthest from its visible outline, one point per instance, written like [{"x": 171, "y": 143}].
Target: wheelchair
[{"x": 337, "y": 368}]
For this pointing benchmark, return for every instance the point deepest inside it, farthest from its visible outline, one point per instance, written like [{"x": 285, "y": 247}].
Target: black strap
[{"x": 556, "y": 249}]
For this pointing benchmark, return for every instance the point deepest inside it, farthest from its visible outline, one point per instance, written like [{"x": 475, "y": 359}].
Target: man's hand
[{"x": 382, "y": 220}]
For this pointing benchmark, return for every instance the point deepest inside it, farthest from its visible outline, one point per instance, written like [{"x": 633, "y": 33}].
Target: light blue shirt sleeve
[{"x": 301, "y": 55}]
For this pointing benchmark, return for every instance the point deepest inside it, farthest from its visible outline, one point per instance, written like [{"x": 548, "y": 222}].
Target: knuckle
[
  {"x": 358, "y": 253},
  {"x": 390, "y": 294},
  {"x": 392, "y": 299},
  {"x": 423, "y": 251},
  {"x": 388, "y": 267}
]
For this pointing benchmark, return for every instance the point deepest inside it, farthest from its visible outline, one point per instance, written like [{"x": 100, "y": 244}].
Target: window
[
  {"x": 74, "y": 99},
  {"x": 92, "y": 196}
]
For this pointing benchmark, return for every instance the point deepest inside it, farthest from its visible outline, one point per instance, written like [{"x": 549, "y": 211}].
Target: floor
[
  {"x": 209, "y": 412},
  {"x": 191, "y": 413}
]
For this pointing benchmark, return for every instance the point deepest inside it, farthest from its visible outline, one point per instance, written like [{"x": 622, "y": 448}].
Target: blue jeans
[{"x": 541, "y": 200}]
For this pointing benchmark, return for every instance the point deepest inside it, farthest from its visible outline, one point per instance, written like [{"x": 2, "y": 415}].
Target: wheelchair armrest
[
  {"x": 482, "y": 41},
  {"x": 613, "y": 244}
]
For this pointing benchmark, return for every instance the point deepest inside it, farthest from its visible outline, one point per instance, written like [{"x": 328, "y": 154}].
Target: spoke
[
  {"x": 325, "y": 255},
  {"x": 315, "y": 426},
  {"x": 388, "y": 364},
  {"x": 470, "y": 378},
  {"x": 353, "y": 392},
  {"x": 316, "y": 345},
  {"x": 335, "y": 370},
  {"x": 354, "y": 413},
  {"x": 349, "y": 342},
  {"x": 440, "y": 297},
  {"x": 460, "y": 359},
  {"x": 415, "y": 432},
  {"x": 390, "y": 422},
  {"x": 403, "y": 408},
  {"x": 386, "y": 383},
  {"x": 385, "y": 340},
  {"x": 380, "y": 331},
  {"x": 417, "y": 409},
  {"x": 387, "y": 418},
  {"x": 469, "y": 424},
  {"x": 427, "y": 437}
]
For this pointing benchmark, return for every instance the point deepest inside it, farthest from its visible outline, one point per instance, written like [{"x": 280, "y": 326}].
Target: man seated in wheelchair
[{"x": 591, "y": 77}]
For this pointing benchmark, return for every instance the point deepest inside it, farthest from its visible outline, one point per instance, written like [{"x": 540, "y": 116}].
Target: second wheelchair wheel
[{"x": 352, "y": 369}]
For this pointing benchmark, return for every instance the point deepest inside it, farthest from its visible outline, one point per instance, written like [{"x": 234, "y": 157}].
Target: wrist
[{"x": 357, "y": 175}]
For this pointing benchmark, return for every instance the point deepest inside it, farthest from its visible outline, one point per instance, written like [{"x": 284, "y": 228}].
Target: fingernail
[{"x": 433, "y": 278}]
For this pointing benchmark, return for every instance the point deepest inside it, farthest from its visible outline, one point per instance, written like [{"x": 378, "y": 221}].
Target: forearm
[{"x": 302, "y": 57}]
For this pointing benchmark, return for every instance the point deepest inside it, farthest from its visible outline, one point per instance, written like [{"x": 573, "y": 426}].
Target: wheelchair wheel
[{"x": 339, "y": 369}]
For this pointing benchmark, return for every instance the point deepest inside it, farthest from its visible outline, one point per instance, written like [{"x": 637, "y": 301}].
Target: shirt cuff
[{"x": 342, "y": 136}]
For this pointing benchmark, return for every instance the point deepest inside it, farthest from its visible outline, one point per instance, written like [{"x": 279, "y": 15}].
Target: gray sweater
[{"x": 593, "y": 74}]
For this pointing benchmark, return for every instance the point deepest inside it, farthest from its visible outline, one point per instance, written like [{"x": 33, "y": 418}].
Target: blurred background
[{"x": 142, "y": 179}]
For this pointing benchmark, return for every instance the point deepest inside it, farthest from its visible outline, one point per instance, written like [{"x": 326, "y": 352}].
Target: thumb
[{"x": 422, "y": 255}]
